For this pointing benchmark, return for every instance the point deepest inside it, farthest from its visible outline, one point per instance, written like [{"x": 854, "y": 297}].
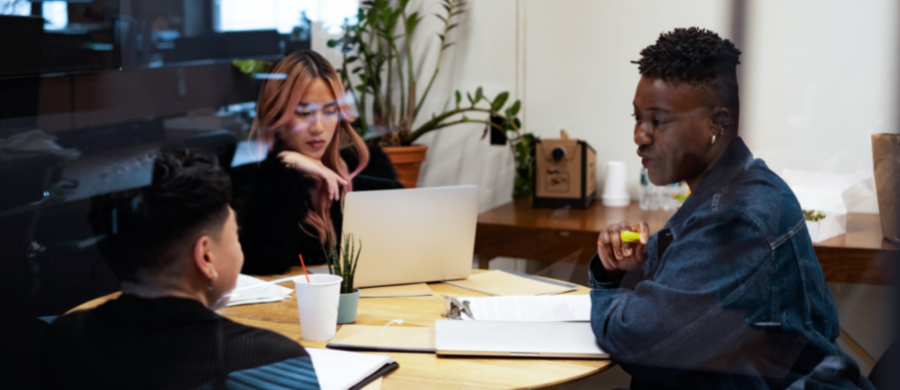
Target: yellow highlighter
[{"x": 629, "y": 236}]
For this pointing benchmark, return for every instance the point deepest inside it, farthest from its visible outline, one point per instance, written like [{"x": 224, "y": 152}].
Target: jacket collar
[{"x": 732, "y": 163}]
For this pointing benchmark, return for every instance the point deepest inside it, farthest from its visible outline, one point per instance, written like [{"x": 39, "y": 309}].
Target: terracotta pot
[{"x": 407, "y": 160}]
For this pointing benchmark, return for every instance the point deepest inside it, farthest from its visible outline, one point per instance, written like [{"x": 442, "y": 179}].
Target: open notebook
[{"x": 341, "y": 370}]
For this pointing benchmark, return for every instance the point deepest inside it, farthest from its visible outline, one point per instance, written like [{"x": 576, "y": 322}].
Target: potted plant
[
  {"x": 377, "y": 48},
  {"x": 343, "y": 263}
]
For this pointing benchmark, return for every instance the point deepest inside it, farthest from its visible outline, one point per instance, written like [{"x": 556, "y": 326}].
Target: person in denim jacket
[{"x": 729, "y": 294}]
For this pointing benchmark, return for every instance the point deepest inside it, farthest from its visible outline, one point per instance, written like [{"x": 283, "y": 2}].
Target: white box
[{"x": 831, "y": 193}]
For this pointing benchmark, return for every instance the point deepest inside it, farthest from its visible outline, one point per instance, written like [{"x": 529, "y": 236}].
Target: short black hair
[
  {"x": 695, "y": 56},
  {"x": 144, "y": 229}
]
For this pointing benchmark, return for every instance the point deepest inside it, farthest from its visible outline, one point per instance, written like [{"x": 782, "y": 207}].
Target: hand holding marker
[{"x": 629, "y": 236}]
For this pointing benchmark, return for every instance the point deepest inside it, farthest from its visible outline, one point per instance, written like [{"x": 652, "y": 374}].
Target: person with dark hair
[
  {"x": 729, "y": 294},
  {"x": 315, "y": 158},
  {"x": 174, "y": 247}
]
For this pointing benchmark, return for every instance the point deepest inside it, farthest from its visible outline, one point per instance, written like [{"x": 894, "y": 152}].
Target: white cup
[
  {"x": 317, "y": 302},
  {"x": 614, "y": 192}
]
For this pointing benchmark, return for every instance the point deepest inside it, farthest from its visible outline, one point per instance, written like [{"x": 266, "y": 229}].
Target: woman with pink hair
[{"x": 315, "y": 158}]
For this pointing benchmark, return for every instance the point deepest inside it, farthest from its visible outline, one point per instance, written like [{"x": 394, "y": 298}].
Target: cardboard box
[
  {"x": 831, "y": 193},
  {"x": 565, "y": 173}
]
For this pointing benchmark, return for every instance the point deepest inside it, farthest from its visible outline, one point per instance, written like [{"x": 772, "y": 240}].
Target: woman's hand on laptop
[
  {"x": 617, "y": 255},
  {"x": 315, "y": 168}
]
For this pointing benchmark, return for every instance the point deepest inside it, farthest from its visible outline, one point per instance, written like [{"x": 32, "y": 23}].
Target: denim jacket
[{"x": 731, "y": 296}]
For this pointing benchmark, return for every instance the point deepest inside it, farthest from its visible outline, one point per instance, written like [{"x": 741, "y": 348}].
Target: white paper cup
[
  {"x": 317, "y": 302},
  {"x": 615, "y": 194}
]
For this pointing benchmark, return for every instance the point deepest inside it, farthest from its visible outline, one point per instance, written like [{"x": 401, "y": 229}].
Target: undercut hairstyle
[
  {"x": 698, "y": 57},
  {"x": 145, "y": 232}
]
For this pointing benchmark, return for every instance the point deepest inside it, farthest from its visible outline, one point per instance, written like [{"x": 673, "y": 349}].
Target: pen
[{"x": 629, "y": 236}]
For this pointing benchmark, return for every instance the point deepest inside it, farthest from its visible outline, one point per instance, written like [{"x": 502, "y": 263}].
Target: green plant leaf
[
  {"x": 469, "y": 96},
  {"x": 441, "y": 36},
  {"x": 499, "y": 101},
  {"x": 479, "y": 94},
  {"x": 513, "y": 110},
  {"x": 465, "y": 118},
  {"x": 411, "y": 22},
  {"x": 448, "y": 45},
  {"x": 452, "y": 26},
  {"x": 458, "y": 98},
  {"x": 333, "y": 42},
  {"x": 441, "y": 17}
]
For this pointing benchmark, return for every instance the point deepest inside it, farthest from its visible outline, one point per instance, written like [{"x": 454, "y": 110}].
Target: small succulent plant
[{"x": 342, "y": 260}]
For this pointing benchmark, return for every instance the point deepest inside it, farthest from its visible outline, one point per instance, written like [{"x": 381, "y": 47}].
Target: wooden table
[
  {"x": 517, "y": 230},
  {"x": 419, "y": 370}
]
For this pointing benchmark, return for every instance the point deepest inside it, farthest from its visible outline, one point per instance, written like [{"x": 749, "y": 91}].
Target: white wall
[{"x": 819, "y": 78}]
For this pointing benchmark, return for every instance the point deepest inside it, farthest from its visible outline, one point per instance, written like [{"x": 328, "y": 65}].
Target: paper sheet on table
[
  {"x": 561, "y": 308},
  {"x": 251, "y": 290},
  {"x": 341, "y": 370},
  {"x": 504, "y": 283},
  {"x": 405, "y": 290}
]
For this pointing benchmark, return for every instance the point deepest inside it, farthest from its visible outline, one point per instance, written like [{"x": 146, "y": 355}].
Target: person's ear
[
  {"x": 203, "y": 257},
  {"x": 721, "y": 120}
]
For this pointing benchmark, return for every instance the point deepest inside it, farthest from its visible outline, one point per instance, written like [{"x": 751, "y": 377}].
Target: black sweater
[
  {"x": 271, "y": 216},
  {"x": 166, "y": 343}
]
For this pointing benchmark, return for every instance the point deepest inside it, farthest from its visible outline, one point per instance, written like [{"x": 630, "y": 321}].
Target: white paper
[
  {"x": 252, "y": 290},
  {"x": 341, "y": 370},
  {"x": 831, "y": 193},
  {"x": 827, "y": 191},
  {"x": 560, "y": 308}
]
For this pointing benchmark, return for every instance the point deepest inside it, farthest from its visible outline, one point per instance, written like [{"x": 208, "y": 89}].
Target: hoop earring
[{"x": 713, "y": 142}]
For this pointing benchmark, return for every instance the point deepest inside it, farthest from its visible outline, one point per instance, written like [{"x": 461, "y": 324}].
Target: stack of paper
[
  {"x": 252, "y": 290},
  {"x": 562, "y": 308}
]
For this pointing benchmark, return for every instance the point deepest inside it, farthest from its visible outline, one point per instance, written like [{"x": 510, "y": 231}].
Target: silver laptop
[
  {"x": 412, "y": 235},
  {"x": 517, "y": 339}
]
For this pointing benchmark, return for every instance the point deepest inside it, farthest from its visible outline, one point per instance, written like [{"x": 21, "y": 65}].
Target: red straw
[{"x": 304, "y": 269}]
